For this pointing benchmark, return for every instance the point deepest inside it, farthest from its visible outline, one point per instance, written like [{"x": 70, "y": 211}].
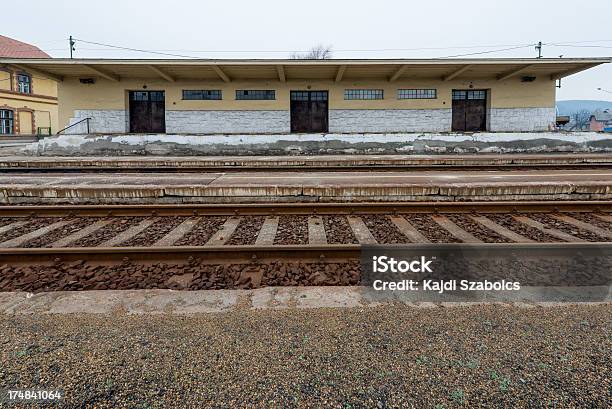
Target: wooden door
[
  {"x": 309, "y": 111},
  {"x": 469, "y": 110},
  {"x": 147, "y": 112},
  {"x": 25, "y": 123}
]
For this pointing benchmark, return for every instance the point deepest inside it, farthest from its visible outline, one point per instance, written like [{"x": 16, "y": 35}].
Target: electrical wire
[{"x": 175, "y": 52}]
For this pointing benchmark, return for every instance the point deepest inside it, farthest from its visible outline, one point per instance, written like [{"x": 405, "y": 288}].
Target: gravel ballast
[{"x": 376, "y": 357}]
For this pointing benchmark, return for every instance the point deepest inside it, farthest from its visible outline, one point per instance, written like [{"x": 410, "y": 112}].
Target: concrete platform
[
  {"x": 306, "y": 186},
  {"x": 218, "y": 301},
  {"x": 296, "y": 161},
  {"x": 313, "y": 144}
]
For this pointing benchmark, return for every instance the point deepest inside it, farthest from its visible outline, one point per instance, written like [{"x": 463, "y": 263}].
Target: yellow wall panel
[{"x": 110, "y": 95}]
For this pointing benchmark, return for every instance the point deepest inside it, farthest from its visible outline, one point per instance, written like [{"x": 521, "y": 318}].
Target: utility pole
[
  {"x": 72, "y": 43},
  {"x": 539, "y": 48}
]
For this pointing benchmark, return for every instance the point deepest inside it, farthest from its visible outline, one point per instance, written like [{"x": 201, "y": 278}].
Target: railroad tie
[
  {"x": 12, "y": 226},
  {"x": 455, "y": 230},
  {"x": 501, "y": 230},
  {"x": 221, "y": 236},
  {"x": 177, "y": 233},
  {"x": 268, "y": 232},
  {"x": 584, "y": 225},
  {"x": 129, "y": 233},
  {"x": 551, "y": 232},
  {"x": 316, "y": 231},
  {"x": 408, "y": 230},
  {"x": 360, "y": 230},
  {"x": 17, "y": 241},
  {"x": 63, "y": 242}
]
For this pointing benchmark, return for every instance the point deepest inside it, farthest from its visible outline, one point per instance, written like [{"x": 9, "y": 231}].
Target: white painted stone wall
[
  {"x": 102, "y": 121},
  {"x": 521, "y": 119},
  {"x": 389, "y": 120},
  {"x": 220, "y": 122},
  {"x": 340, "y": 121}
]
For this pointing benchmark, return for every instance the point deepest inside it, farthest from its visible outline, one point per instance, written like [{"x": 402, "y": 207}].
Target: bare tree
[
  {"x": 318, "y": 52},
  {"x": 581, "y": 119}
]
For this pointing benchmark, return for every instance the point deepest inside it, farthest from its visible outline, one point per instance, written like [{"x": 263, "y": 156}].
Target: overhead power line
[{"x": 181, "y": 53}]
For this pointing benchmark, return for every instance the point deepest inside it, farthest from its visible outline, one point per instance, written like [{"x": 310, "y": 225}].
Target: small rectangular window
[
  {"x": 309, "y": 96},
  {"x": 6, "y": 122},
  {"x": 156, "y": 96},
  {"x": 257, "y": 94},
  {"x": 363, "y": 94},
  {"x": 416, "y": 94},
  {"x": 459, "y": 94},
  {"x": 204, "y": 94},
  {"x": 24, "y": 83},
  {"x": 477, "y": 95}
]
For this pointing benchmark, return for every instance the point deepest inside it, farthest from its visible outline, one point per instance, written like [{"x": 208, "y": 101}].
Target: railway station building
[
  {"x": 181, "y": 96},
  {"x": 28, "y": 102}
]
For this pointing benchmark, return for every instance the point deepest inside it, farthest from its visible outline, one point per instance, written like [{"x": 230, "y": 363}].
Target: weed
[{"x": 458, "y": 396}]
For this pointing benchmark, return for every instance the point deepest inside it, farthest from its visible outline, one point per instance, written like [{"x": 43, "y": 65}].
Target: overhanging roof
[{"x": 269, "y": 69}]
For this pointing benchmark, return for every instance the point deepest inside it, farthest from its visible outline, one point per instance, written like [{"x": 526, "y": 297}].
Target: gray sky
[{"x": 369, "y": 29}]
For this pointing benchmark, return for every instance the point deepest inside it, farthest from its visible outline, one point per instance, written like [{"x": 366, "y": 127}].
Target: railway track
[
  {"x": 347, "y": 168},
  {"x": 215, "y": 246}
]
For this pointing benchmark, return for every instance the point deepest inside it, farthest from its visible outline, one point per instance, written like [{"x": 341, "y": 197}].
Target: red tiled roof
[{"x": 16, "y": 49}]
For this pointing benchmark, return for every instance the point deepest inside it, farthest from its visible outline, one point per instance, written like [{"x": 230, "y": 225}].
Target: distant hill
[{"x": 574, "y": 105}]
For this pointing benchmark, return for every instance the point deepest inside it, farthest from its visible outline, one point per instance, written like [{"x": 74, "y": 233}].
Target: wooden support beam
[
  {"x": 221, "y": 74},
  {"x": 340, "y": 73},
  {"x": 102, "y": 73},
  {"x": 398, "y": 73},
  {"x": 161, "y": 73},
  {"x": 41, "y": 73},
  {"x": 281, "y": 73},
  {"x": 456, "y": 73},
  {"x": 567, "y": 73},
  {"x": 514, "y": 72}
]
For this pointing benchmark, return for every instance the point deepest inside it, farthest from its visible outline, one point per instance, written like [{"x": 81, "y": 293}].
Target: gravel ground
[
  {"x": 116, "y": 226},
  {"x": 383, "y": 357},
  {"x": 383, "y": 230},
  {"x": 247, "y": 231},
  {"x": 191, "y": 275},
  {"x": 75, "y": 225},
  {"x": 430, "y": 229},
  {"x": 592, "y": 219},
  {"x": 154, "y": 232},
  {"x": 476, "y": 229},
  {"x": 292, "y": 230},
  {"x": 8, "y": 220},
  {"x": 531, "y": 233},
  {"x": 202, "y": 232},
  {"x": 32, "y": 224},
  {"x": 567, "y": 228},
  {"x": 338, "y": 230}
]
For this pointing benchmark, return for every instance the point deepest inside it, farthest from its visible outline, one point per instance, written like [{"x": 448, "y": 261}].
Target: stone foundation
[
  {"x": 340, "y": 121},
  {"x": 389, "y": 120},
  {"x": 227, "y": 122},
  {"x": 102, "y": 121},
  {"x": 521, "y": 119}
]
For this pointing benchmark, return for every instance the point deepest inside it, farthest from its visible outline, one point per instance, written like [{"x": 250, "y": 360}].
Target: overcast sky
[{"x": 354, "y": 29}]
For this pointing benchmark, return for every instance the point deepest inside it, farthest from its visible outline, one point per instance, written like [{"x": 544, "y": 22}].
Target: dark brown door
[
  {"x": 309, "y": 111},
  {"x": 147, "y": 112},
  {"x": 469, "y": 110}
]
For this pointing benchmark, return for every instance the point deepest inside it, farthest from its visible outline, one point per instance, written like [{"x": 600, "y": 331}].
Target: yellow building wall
[
  {"x": 5, "y": 80},
  {"x": 109, "y": 95},
  {"x": 41, "y": 104}
]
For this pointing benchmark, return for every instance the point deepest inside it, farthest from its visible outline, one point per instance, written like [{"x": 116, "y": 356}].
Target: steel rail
[
  {"x": 252, "y": 254},
  {"x": 340, "y": 168},
  {"x": 311, "y": 208}
]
